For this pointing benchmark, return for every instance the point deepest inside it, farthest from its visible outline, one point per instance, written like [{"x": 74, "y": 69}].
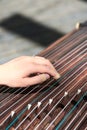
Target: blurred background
[{"x": 29, "y": 26}]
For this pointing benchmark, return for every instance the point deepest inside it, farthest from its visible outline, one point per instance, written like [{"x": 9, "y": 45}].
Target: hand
[{"x": 16, "y": 73}]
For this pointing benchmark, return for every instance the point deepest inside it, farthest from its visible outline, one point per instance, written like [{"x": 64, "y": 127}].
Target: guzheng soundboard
[{"x": 55, "y": 104}]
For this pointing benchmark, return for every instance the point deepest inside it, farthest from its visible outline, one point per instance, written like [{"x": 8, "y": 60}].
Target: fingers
[
  {"x": 39, "y": 65},
  {"x": 42, "y": 65},
  {"x": 44, "y": 69},
  {"x": 36, "y": 79}
]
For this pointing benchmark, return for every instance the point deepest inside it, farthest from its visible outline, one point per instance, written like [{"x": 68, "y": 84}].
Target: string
[
  {"x": 25, "y": 117},
  {"x": 75, "y": 57},
  {"x": 37, "y": 98},
  {"x": 42, "y": 110},
  {"x": 72, "y": 52},
  {"x": 67, "y": 104},
  {"x": 85, "y": 128},
  {"x": 62, "y": 44},
  {"x": 9, "y": 96},
  {"x": 54, "y": 91},
  {"x": 18, "y": 100},
  {"x": 80, "y": 121},
  {"x": 64, "y": 51},
  {"x": 49, "y": 111},
  {"x": 63, "y": 83},
  {"x": 2, "y": 87},
  {"x": 83, "y": 77},
  {"x": 7, "y": 93},
  {"x": 41, "y": 102},
  {"x": 5, "y": 90},
  {"x": 69, "y": 113},
  {"x": 77, "y": 114},
  {"x": 67, "y": 85},
  {"x": 14, "y": 96},
  {"x": 82, "y": 46}
]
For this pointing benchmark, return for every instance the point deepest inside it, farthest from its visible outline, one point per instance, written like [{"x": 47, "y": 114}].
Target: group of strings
[{"x": 67, "y": 77}]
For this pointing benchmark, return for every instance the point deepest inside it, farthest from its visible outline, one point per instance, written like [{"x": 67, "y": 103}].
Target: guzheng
[{"x": 55, "y": 104}]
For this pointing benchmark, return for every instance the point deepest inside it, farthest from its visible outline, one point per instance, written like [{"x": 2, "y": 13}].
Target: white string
[
  {"x": 61, "y": 112},
  {"x": 40, "y": 90},
  {"x": 42, "y": 110},
  {"x": 85, "y": 50},
  {"x": 85, "y": 128},
  {"x": 80, "y": 121},
  {"x": 69, "y": 83},
  {"x": 60, "y": 85},
  {"x": 69, "y": 54},
  {"x": 9, "y": 97},
  {"x": 80, "y": 53},
  {"x": 78, "y": 80},
  {"x": 5, "y": 90},
  {"x": 57, "y": 115},
  {"x": 77, "y": 114},
  {"x": 73, "y": 39}
]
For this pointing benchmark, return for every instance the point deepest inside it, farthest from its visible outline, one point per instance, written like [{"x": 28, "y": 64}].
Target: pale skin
[{"x": 16, "y": 73}]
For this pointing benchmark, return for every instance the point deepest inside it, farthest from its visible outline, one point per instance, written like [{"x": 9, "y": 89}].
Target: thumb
[{"x": 36, "y": 79}]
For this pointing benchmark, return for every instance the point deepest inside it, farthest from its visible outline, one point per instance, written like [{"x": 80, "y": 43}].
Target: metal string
[
  {"x": 12, "y": 97},
  {"x": 42, "y": 110},
  {"x": 62, "y": 84},
  {"x": 10, "y": 106},
  {"x": 1, "y": 87},
  {"x": 57, "y": 57},
  {"x": 77, "y": 114},
  {"x": 50, "y": 94},
  {"x": 49, "y": 112},
  {"x": 85, "y": 128},
  {"x": 80, "y": 121},
  {"x": 9, "y": 97},
  {"x": 26, "y": 107},
  {"x": 5, "y": 90},
  {"x": 18, "y": 100},
  {"x": 63, "y": 110},
  {"x": 63, "y": 43},
  {"x": 69, "y": 113},
  {"x": 71, "y": 53}
]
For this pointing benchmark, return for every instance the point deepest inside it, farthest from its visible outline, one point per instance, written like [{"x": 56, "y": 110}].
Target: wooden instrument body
[{"x": 63, "y": 102}]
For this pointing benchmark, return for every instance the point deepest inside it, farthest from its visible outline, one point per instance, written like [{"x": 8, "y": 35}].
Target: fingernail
[
  {"x": 47, "y": 76},
  {"x": 57, "y": 76}
]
